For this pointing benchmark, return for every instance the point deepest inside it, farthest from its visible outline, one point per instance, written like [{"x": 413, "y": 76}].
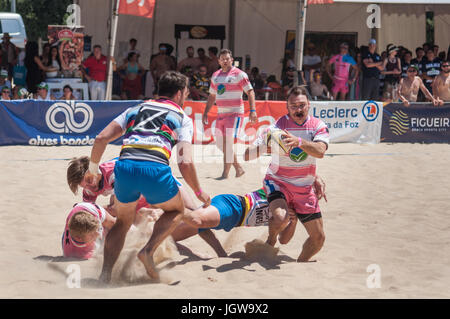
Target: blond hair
[
  {"x": 82, "y": 223},
  {"x": 76, "y": 171}
]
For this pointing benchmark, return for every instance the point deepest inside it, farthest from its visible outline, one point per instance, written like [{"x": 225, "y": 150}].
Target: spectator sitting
[
  {"x": 441, "y": 84},
  {"x": 200, "y": 83},
  {"x": 343, "y": 64},
  {"x": 392, "y": 71},
  {"x": 132, "y": 84},
  {"x": 53, "y": 61},
  {"x": 43, "y": 93},
  {"x": 19, "y": 93},
  {"x": 68, "y": 93},
  {"x": 4, "y": 82},
  {"x": 6, "y": 93},
  {"x": 408, "y": 88},
  {"x": 189, "y": 64},
  {"x": 319, "y": 91}
]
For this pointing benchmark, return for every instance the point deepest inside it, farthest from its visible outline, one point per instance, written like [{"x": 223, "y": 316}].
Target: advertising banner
[
  {"x": 418, "y": 123},
  {"x": 51, "y": 123}
]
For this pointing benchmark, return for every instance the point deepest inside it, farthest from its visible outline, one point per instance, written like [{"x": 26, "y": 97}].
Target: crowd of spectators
[{"x": 350, "y": 74}]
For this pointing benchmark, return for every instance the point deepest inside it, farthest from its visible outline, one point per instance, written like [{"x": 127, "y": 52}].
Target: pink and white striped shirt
[
  {"x": 296, "y": 169},
  {"x": 228, "y": 88}
]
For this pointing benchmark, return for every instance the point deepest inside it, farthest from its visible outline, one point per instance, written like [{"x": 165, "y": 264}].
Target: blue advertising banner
[
  {"x": 418, "y": 123},
  {"x": 51, "y": 123}
]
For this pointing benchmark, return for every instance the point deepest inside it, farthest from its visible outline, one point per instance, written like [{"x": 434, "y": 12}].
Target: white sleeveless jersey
[{"x": 256, "y": 210}]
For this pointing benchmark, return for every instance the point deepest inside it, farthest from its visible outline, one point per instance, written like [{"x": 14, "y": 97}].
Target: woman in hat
[{"x": 392, "y": 71}]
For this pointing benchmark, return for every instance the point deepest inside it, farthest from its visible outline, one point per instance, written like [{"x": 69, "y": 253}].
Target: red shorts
[
  {"x": 340, "y": 86},
  {"x": 228, "y": 125}
]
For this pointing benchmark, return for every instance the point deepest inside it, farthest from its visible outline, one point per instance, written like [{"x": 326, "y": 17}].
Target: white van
[{"x": 13, "y": 24}]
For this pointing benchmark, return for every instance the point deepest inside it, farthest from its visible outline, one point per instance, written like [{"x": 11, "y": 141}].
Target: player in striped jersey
[
  {"x": 227, "y": 86},
  {"x": 289, "y": 178},
  {"x": 150, "y": 131}
]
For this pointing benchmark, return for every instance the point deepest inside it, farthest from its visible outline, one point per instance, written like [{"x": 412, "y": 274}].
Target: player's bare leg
[
  {"x": 315, "y": 240},
  {"x": 278, "y": 221}
]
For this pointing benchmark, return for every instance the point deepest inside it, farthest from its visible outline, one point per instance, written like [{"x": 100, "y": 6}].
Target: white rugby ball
[{"x": 275, "y": 141}]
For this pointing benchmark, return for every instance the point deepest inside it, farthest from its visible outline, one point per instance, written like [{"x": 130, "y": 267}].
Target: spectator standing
[
  {"x": 371, "y": 67},
  {"x": 430, "y": 69},
  {"x": 132, "y": 81},
  {"x": 214, "y": 64},
  {"x": 441, "y": 84},
  {"x": 342, "y": 79},
  {"x": 289, "y": 77},
  {"x": 419, "y": 59},
  {"x": 202, "y": 56},
  {"x": 436, "y": 50},
  {"x": 96, "y": 66},
  {"x": 53, "y": 61},
  {"x": 34, "y": 66},
  {"x": 132, "y": 49},
  {"x": 227, "y": 86},
  {"x": 161, "y": 63},
  {"x": 10, "y": 53},
  {"x": 189, "y": 65},
  {"x": 406, "y": 62},
  {"x": 45, "y": 53},
  {"x": 392, "y": 71},
  {"x": 409, "y": 87},
  {"x": 311, "y": 61},
  {"x": 200, "y": 83}
]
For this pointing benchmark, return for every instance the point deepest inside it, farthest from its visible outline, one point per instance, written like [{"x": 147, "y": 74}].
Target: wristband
[
  {"x": 93, "y": 168},
  {"x": 299, "y": 141},
  {"x": 252, "y": 110},
  {"x": 198, "y": 193}
]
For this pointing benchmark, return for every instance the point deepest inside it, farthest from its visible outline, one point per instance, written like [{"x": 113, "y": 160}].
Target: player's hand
[
  {"x": 92, "y": 179},
  {"x": 406, "y": 103},
  {"x": 205, "y": 119},
  {"x": 291, "y": 140},
  {"x": 253, "y": 117},
  {"x": 204, "y": 198},
  {"x": 319, "y": 188}
]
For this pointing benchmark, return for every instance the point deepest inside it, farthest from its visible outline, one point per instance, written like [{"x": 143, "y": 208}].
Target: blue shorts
[
  {"x": 230, "y": 210},
  {"x": 153, "y": 180}
]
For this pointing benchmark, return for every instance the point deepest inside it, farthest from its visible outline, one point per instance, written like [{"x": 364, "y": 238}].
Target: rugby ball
[{"x": 275, "y": 141}]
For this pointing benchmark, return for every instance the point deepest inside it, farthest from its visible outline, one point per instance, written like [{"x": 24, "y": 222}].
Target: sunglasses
[
  {"x": 412, "y": 70},
  {"x": 445, "y": 65}
]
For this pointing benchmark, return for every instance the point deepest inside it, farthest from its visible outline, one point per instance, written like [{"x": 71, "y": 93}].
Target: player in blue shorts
[{"x": 228, "y": 211}]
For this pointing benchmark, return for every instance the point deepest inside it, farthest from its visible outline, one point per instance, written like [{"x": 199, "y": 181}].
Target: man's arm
[
  {"x": 315, "y": 149},
  {"x": 427, "y": 93},
  {"x": 253, "y": 117},
  {"x": 399, "y": 92},
  {"x": 209, "y": 104}
]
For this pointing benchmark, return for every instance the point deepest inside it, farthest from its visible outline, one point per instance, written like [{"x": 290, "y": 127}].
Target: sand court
[{"x": 387, "y": 214}]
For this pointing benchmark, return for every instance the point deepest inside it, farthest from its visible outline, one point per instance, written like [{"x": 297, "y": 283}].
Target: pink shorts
[
  {"x": 304, "y": 202},
  {"x": 228, "y": 125},
  {"x": 340, "y": 86}
]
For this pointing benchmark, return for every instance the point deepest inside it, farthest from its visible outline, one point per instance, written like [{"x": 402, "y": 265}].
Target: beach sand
[{"x": 387, "y": 209}]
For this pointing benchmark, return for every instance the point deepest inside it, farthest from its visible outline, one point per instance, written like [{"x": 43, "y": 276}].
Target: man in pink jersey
[
  {"x": 85, "y": 224},
  {"x": 290, "y": 177},
  {"x": 227, "y": 86},
  {"x": 343, "y": 63}
]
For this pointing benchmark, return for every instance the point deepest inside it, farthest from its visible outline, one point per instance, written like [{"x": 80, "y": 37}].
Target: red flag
[
  {"x": 141, "y": 8},
  {"x": 319, "y": 1}
]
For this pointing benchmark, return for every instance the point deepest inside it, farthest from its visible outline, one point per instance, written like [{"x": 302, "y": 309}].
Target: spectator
[
  {"x": 10, "y": 53},
  {"x": 132, "y": 48},
  {"x": 20, "y": 92},
  {"x": 436, "y": 50},
  {"x": 382, "y": 75},
  {"x": 4, "y": 82},
  {"x": 188, "y": 65},
  {"x": 426, "y": 46},
  {"x": 441, "y": 84},
  {"x": 311, "y": 61},
  {"x": 34, "y": 66},
  {"x": 45, "y": 53},
  {"x": 68, "y": 93},
  {"x": 406, "y": 62},
  {"x": 441, "y": 56},
  {"x": 392, "y": 70},
  {"x": 161, "y": 63},
  {"x": 202, "y": 56},
  {"x": 408, "y": 88},
  {"x": 342, "y": 79},
  {"x": 200, "y": 82},
  {"x": 214, "y": 64},
  {"x": 319, "y": 91},
  {"x": 6, "y": 93},
  {"x": 94, "y": 69},
  {"x": 43, "y": 93},
  {"x": 289, "y": 77},
  {"x": 53, "y": 61},
  {"x": 132, "y": 81},
  {"x": 256, "y": 79},
  {"x": 371, "y": 67},
  {"x": 419, "y": 59},
  {"x": 430, "y": 69}
]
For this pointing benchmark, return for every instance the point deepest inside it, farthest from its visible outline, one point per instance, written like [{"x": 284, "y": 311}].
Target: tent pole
[
  {"x": 115, "y": 18},
  {"x": 231, "y": 25},
  {"x": 300, "y": 38}
]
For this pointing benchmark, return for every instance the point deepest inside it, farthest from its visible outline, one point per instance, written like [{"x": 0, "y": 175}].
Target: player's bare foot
[
  {"x": 149, "y": 265},
  {"x": 105, "y": 277},
  {"x": 240, "y": 172},
  {"x": 222, "y": 177}
]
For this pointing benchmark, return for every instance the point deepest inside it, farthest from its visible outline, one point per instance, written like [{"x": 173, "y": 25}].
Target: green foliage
[{"x": 38, "y": 14}]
